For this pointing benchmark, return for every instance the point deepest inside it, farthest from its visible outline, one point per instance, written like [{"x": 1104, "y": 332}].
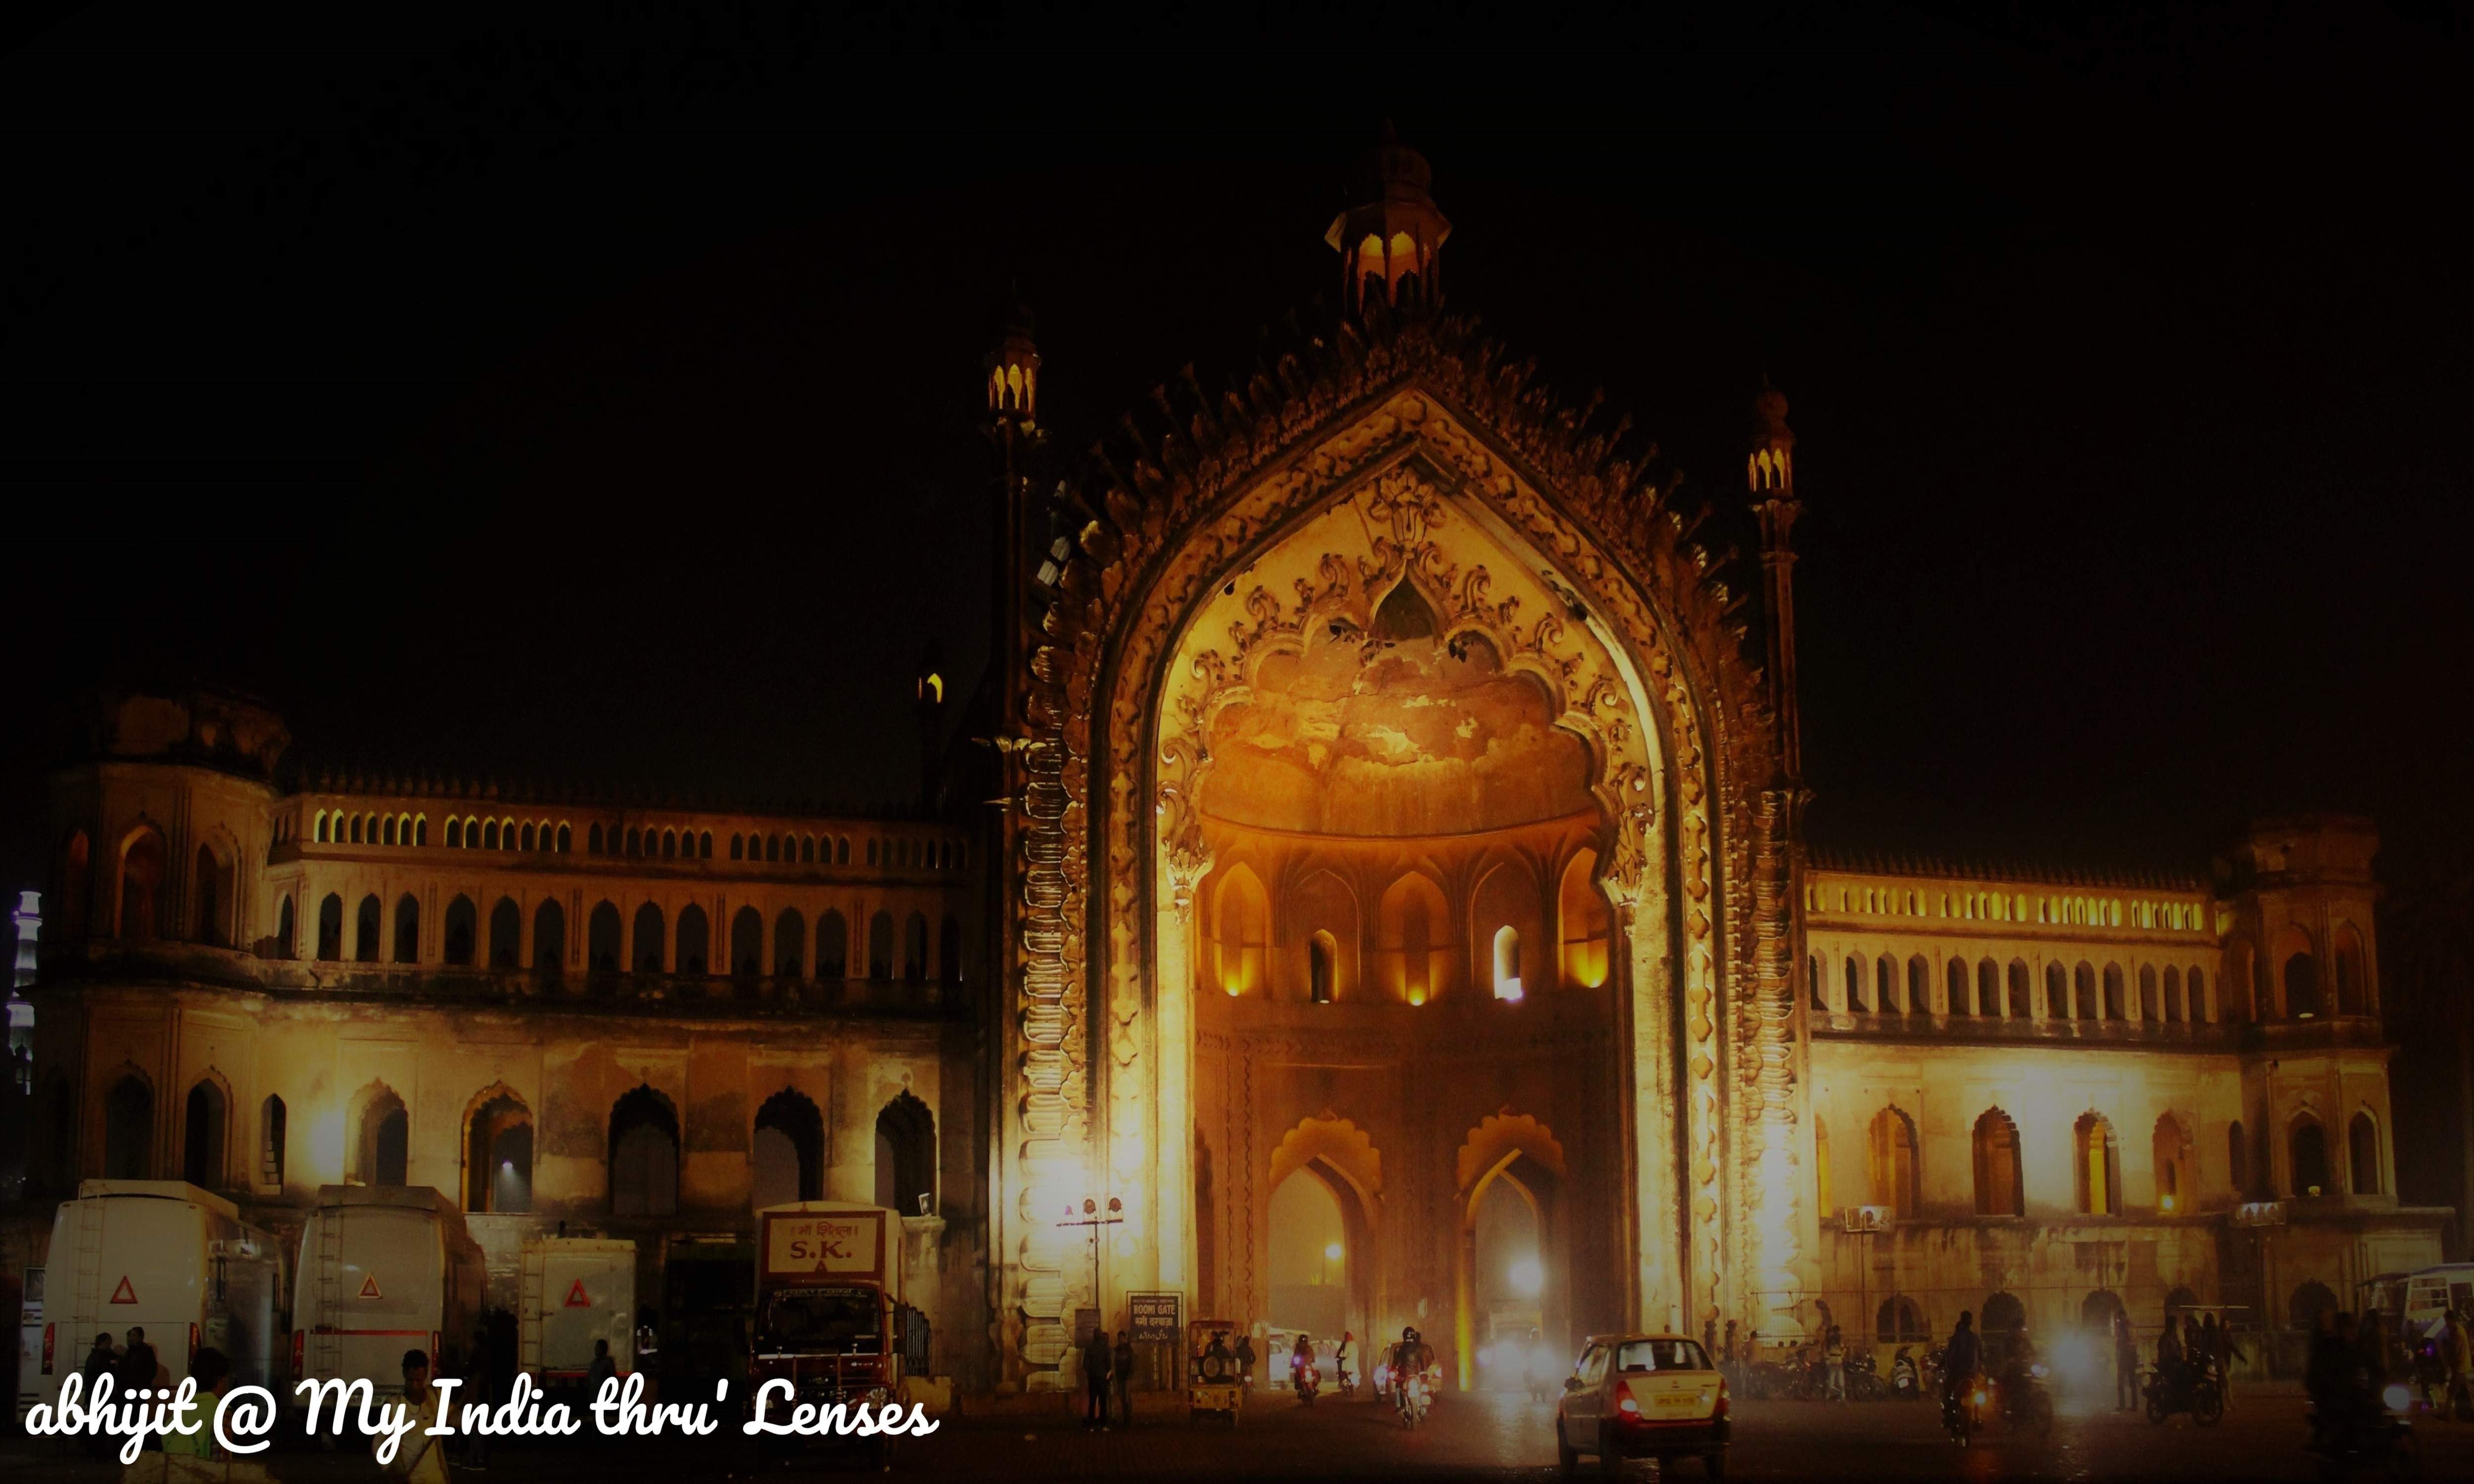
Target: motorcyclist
[
  {"x": 1961, "y": 1358},
  {"x": 1340, "y": 1358},
  {"x": 1410, "y": 1359},
  {"x": 2171, "y": 1369},
  {"x": 1300, "y": 1357}
]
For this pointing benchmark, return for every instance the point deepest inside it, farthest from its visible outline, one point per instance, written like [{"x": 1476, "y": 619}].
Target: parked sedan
[{"x": 1643, "y": 1396}]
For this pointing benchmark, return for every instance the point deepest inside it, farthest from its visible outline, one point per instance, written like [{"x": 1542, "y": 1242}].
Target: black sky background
[{"x": 598, "y": 400}]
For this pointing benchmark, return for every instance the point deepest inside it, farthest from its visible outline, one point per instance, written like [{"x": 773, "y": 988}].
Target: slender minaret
[
  {"x": 1013, "y": 427},
  {"x": 1391, "y": 243},
  {"x": 1769, "y": 471}
]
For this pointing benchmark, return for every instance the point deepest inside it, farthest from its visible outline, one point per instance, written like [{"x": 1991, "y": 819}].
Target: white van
[
  {"x": 383, "y": 1269},
  {"x": 167, "y": 1257},
  {"x": 577, "y": 1289}
]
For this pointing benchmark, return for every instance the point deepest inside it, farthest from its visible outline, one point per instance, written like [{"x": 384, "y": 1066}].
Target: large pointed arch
[{"x": 1630, "y": 632}]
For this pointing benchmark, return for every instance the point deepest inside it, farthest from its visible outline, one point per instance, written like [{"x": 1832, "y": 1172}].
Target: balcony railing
[{"x": 2199, "y": 1034}]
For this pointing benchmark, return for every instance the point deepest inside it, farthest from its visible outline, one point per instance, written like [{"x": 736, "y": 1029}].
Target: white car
[{"x": 1643, "y": 1396}]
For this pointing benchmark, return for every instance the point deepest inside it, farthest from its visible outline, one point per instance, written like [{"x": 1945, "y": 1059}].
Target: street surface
[{"x": 1488, "y": 1436}]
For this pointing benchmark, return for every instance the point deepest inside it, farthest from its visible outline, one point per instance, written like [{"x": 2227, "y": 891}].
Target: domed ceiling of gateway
[{"x": 1393, "y": 732}]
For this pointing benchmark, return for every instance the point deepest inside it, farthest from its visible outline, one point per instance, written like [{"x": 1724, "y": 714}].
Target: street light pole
[{"x": 1092, "y": 1217}]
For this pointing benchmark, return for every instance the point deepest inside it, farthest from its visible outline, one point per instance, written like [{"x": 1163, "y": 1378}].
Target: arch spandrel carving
[{"x": 1700, "y": 865}]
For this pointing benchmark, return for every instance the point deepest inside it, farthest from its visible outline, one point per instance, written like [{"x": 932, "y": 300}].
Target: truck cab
[{"x": 829, "y": 1317}]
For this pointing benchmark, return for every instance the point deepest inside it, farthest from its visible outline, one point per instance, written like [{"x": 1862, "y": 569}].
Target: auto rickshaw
[{"x": 1213, "y": 1382}]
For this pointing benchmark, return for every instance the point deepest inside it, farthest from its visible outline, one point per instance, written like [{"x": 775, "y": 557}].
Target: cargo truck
[
  {"x": 830, "y": 1316},
  {"x": 167, "y": 1257},
  {"x": 577, "y": 1289},
  {"x": 383, "y": 1269}
]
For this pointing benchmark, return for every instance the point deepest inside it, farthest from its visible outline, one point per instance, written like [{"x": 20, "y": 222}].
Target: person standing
[
  {"x": 1121, "y": 1369},
  {"x": 1340, "y": 1358},
  {"x": 416, "y": 1461},
  {"x": 1246, "y": 1361},
  {"x": 1095, "y": 1364},
  {"x": 2457, "y": 1354},
  {"x": 1962, "y": 1358},
  {"x": 1834, "y": 1360},
  {"x": 2126, "y": 1364},
  {"x": 2226, "y": 1352},
  {"x": 211, "y": 1371},
  {"x": 142, "y": 1371}
]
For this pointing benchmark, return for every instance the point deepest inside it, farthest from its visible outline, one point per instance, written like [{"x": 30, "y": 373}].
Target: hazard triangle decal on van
[
  {"x": 369, "y": 1287},
  {"x": 578, "y": 1297},
  {"x": 124, "y": 1293}
]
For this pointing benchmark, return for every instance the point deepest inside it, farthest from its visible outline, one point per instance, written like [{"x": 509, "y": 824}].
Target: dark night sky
[{"x": 604, "y": 407}]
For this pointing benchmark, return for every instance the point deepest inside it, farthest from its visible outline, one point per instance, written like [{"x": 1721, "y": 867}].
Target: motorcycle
[
  {"x": 2384, "y": 1443},
  {"x": 2025, "y": 1403},
  {"x": 1412, "y": 1397},
  {"x": 2196, "y": 1392},
  {"x": 1309, "y": 1383},
  {"x": 1905, "y": 1383},
  {"x": 1962, "y": 1411},
  {"x": 1864, "y": 1376}
]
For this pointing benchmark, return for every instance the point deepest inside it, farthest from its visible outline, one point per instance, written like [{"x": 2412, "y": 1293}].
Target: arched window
[
  {"x": 747, "y": 943},
  {"x": 2002, "y": 1323},
  {"x": 602, "y": 938},
  {"x": 524, "y": 837},
  {"x": 592, "y": 840},
  {"x": 669, "y": 845},
  {"x": 772, "y": 848},
  {"x": 358, "y": 824},
  {"x": 2197, "y": 997},
  {"x": 489, "y": 834},
  {"x": 2083, "y": 986},
  {"x": 214, "y": 899},
  {"x": 635, "y": 840},
  {"x": 2175, "y": 1192},
  {"x": 1413, "y": 935},
  {"x": 1956, "y": 995},
  {"x": 1890, "y": 1162},
  {"x": 915, "y": 950},
  {"x": 2363, "y": 1154},
  {"x": 906, "y": 1157},
  {"x": 1813, "y": 983},
  {"x": 2149, "y": 1010},
  {"x": 643, "y": 1155},
  {"x": 880, "y": 946},
  {"x": 566, "y": 838},
  {"x": 1988, "y": 988},
  {"x": 2000, "y": 1190},
  {"x": 2096, "y": 1166},
  {"x": 463, "y": 930},
  {"x": 549, "y": 937},
  {"x": 791, "y": 944},
  {"x": 2310, "y": 1301},
  {"x": 1850, "y": 979},
  {"x": 1589, "y": 927},
  {"x": 1507, "y": 961},
  {"x": 270, "y": 1137},
  {"x": 382, "y": 1148},
  {"x": 696, "y": 940},
  {"x": 1323, "y": 965},
  {"x": 421, "y": 829},
  {"x": 2238, "y": 1159},
  {"x": 318, "y": 827},
  {"x": 365, "y": 930},
  {"x": 2112, "y": 992},
  {"x": 129, "y": 1129},
  {"x": 498, "y": 1156},
  {"x": 2351, "y": 1000},
  {"x": 872, "y": 852},
  {"x": 789, "y": 1153},
  {"x": 842, "y": 850},
  {"x": 2301, "y": 986},
  {"x": 949, "y": 950},
  {"x": 2057, "y": 992},
  {"x": 1900, "y": 1321},
  {"x": 454, "y": 834},
  {"x": 407, "y": 929},
  {"x": 330, "y": 928},
  {"x": 141, "y": 887},
  {"x": 2022, "y": 995},
  {"x": 739, "y": 847},
  {"x": 1919, "y": 986},
  {"x": 201, "y": 1136},
  {"x": 2172, "y": 994},
  {"x": 506, "y": 934},
  {"x": 286, "y": 941},
  {"x": 2307, "y": 1143},
  {"x": 1885, "y": 985},
  {"x": 649, "y": 948},
  {"x": 832, "y": 946},
  {"x": 808, "y": 851}
]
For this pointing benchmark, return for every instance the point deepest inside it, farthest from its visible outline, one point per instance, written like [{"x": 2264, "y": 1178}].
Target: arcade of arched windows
[
  {"x": 2010, "y": 1161},
  {"x": 537, "y": 834},
  {"x": 2000, "y": 904},
  {"x": 1917, "y": 987},
  {"x": 1340, "y": 923},
  {"x": 912, "y": 937}
]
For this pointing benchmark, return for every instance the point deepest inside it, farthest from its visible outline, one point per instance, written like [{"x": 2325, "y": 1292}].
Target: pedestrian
[
  {"x": 211, "y": 1371},
  {"x": 1120, "y": 1368},
  {"x": 1246, "y": 1361},
  {"x": 2126, "y": 1364},
  {"x": 1340, "y": 1358},
  {"x": 415, "y": 1461},
  {"x": 1833, "y": 1356},
  {"x": 1729, "y": 1362},
  {"x": 603, "y": 1368},
  {"x": 2457, "y": 1354},
  {"x": 142, "y": 1371},
  {"x": 1095, "y": 1364},
  {"x": 2227, "y": 1353}
]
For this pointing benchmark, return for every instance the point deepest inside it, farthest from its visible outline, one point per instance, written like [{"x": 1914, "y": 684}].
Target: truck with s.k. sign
[{"x": 830, "y": 1316}]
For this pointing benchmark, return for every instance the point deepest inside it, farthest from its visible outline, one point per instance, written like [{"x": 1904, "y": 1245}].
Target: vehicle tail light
[
  {"x": 193, "y": 1344},
  {"x": 433, "y": 1351},
  {"x": 1721, "y": 1409},
  {"x": 1628, "y": 1407},
  {"x": 300, "y": 1354},
  {"x": 47, "y": 1349}
]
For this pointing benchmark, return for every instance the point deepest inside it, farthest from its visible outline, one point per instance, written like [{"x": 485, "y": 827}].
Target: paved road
[{"x": 1483, "y": 1437}]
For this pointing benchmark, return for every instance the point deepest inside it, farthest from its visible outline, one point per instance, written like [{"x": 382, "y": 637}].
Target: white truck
[
  {"x": 577, "y": 1289},
  {"x": 383, "y": 1269},
  {"x": 167, "y": 1257}
]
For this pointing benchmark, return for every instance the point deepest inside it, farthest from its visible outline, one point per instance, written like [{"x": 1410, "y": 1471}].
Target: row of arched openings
[
  {"x": 2343, "y": 988},
  {"x": 1989, "y": 990},
  {"x": 889, "y": 950},
  {"x": 1894, "y": 1174},
  {"x": 788, "y": 1152}
]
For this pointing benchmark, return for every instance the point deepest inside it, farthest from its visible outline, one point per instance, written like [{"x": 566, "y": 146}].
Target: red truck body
[{"x": 828, "y": 1297}]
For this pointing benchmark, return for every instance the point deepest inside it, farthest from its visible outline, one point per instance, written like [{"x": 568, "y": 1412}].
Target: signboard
[
  {"x": 831, "y": 1242},
  {"x": 1085, "y": 1321},
  {"x": 1156, "y": 1317}
]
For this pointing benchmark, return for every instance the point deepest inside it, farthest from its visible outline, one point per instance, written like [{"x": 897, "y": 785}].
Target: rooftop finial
[{"x": 1389, "y": 243}]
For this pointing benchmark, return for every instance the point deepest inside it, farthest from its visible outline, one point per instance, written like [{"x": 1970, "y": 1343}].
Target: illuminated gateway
[{"x": 1399, "y": 913}]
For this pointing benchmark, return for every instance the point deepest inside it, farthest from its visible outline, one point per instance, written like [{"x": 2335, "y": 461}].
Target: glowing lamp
[{"x": 1333, "y": 1252}]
